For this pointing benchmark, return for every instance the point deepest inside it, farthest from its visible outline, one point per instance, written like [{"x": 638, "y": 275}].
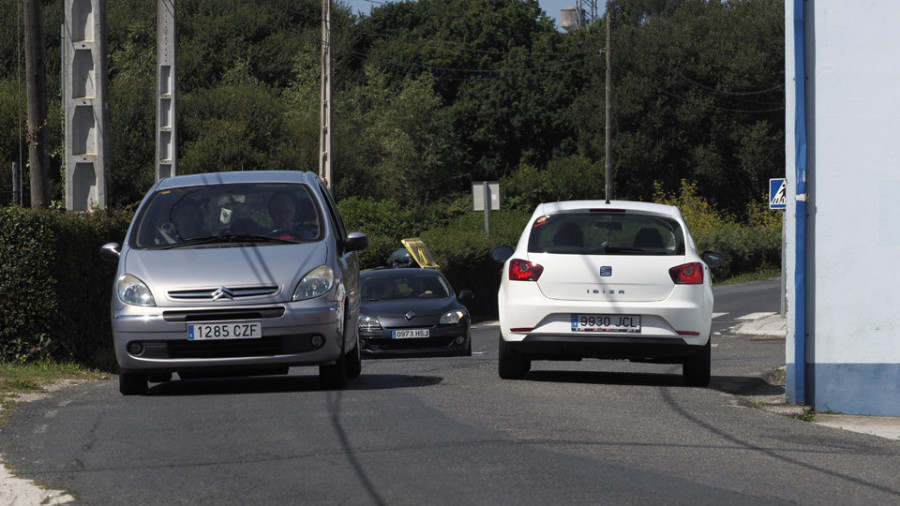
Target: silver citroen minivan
[{"x": 236, "y": 273}]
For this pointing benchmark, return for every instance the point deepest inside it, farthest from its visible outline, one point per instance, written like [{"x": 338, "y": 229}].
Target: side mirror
[
  {"x": 501, "y": 254},
  {"x": 356, "y": 241},
  {"x": 110, "y": 252},
  {"x": 713, "y": 258}
]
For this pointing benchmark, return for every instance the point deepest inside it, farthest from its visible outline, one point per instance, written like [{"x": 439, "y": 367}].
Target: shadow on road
[
  {"x": 291, "y": 383},
  {"x": 737, "y": 385}
]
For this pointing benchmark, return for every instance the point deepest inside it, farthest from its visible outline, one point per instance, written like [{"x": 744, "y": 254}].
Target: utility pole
[
  {"x": 36, "y": 89},
  {"x": 166, "y": 91},
  {"x": 325, "y": 132},
  {"x": 608, "y": 113}
]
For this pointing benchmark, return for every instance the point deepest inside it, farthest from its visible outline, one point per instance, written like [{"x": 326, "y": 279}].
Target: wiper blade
[{"x": 229, "y": 238}]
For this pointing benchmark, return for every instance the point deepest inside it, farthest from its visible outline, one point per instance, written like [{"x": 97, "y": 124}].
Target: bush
[
  {"x": 462, "y": 249},
  {"x": 54, "y": 289}
]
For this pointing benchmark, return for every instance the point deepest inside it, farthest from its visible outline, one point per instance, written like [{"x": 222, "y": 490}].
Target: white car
[{"x": 607, "y": 280}]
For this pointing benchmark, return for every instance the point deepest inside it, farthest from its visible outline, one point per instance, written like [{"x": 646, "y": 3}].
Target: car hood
[{"x": 278, "y": 267}]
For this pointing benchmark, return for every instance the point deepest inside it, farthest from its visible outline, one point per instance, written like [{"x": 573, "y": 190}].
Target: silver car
[{"x": 236, "y": 273}]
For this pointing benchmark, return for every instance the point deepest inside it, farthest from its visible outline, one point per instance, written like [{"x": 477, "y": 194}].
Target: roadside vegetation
[{"x": 20, "y": 382}]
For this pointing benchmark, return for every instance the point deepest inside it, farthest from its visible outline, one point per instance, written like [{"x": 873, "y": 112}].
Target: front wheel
[
  {"x": 132, "y": 383},
  {"x": 511, "y": 365},
  {"x": 354, "y": 362},
  {"x": 697, "y": 367}
]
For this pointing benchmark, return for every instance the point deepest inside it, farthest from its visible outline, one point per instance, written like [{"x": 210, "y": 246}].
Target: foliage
[
  {"x": 701, "y": 217},
  {"x": 569, "y": 178},
  {"x": 54, "y": 291},
  {"x": 28, "y": 292}
]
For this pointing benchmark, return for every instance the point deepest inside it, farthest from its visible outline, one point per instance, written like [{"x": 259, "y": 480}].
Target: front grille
[
  {"x": 410, "y": 344},
  {"x": 211, "y": 315},
  {"x": 228, "y": 293}
]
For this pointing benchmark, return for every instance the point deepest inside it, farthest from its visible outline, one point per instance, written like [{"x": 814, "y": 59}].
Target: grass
[{"x": 17, "y": 380}]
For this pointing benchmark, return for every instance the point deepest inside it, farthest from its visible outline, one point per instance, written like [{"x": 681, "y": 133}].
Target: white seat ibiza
[{"x": 606, "y": 280}]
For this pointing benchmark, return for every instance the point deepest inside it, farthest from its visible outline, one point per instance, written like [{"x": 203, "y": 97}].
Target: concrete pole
[
  {"x": 166, "y": 125},
  {"x": 86, "y": 104}
]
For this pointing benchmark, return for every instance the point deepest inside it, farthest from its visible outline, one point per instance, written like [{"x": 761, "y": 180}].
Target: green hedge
[{"x": 54, "y": 289}]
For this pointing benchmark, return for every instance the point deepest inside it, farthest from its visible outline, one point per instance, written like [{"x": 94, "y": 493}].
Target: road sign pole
[{"x": 487, "y": 208}]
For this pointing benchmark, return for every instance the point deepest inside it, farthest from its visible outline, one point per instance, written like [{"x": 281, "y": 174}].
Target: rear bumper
[{"x": 573, "y": 347}]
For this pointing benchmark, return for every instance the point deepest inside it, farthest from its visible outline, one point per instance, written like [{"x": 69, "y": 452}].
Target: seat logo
[{"x": 221, "y": 293}]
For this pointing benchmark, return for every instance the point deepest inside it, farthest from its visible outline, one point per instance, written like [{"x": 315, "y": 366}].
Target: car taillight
[
  {"x": 687, "y": 274},
  {"x": 523, "y": 270}
]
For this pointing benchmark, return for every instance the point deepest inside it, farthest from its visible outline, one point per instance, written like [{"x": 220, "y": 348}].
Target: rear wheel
[
  {"x": 512, "y": 365},
  {"x": 132, "y": 383},
  {"x": 697, "y": 367}
]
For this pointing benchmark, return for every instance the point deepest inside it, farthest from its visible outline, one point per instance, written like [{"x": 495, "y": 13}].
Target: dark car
[{"x": 412, "y": 312}]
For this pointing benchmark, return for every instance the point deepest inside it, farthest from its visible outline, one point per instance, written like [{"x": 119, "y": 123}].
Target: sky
[{"x": 551, "y": 7}]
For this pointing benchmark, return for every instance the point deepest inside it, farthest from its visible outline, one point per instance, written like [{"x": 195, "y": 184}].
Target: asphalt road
[{"x": 449, "y": 431}]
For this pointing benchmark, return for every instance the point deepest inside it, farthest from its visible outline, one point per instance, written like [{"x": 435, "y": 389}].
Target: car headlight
[
  {"x": 133, "y": 291},
  {"x": 315, "y": 284},
  {"x": 367, "y": 322},
  {"x": 452, "y": 317}
]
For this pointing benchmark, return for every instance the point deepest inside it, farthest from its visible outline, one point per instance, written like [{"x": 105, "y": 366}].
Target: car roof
[
  {"x": 627, "y": 205},
  {"x": 250, "y": 176}
]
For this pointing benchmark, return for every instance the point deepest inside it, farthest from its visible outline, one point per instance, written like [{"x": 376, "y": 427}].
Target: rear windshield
[
  {"x": 586, "y": 233},
  {"x": 213, "y": 214}
]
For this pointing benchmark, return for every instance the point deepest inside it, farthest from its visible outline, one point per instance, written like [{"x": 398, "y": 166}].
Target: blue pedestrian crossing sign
[{"x": 777, "y": 193}]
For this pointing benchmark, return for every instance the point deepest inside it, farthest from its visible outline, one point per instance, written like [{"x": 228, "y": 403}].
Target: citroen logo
[
  {"x": 222, "y": 292},
  {"x": 410, "y": 315}
]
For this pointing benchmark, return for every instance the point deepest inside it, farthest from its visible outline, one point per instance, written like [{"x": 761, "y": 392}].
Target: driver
[{"x": 284, "y": 213}]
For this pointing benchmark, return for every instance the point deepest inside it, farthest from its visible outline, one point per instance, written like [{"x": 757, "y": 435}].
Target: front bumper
[
  {"x": 443, "y": 342},
  {"x": 287, "y": 337}
]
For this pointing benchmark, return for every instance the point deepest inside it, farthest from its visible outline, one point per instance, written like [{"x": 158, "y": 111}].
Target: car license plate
[
  {"x": 410, "y": 333},
  {"x": 224, "y": 330},
  {"x": 606, "y": 323}
]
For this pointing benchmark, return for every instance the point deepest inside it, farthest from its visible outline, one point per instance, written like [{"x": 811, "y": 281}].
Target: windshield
[
  {"x": 404, "y": 284},
  {"x": 624, "y": 233},
  {"x": 215, "y": 214}
]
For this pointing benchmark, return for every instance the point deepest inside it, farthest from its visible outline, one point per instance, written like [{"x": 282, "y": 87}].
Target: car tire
[
  {"x": 697, "y": 367},
  {"x": 511, "y": 365},
  {"x": 334, "y": 376},
  {"x": 132, "y": 383},
  {"x": 354, "y": 362}
]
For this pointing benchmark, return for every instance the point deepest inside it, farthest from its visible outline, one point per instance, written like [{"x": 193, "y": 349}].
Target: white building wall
[{"x": 853, "y": 257}]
